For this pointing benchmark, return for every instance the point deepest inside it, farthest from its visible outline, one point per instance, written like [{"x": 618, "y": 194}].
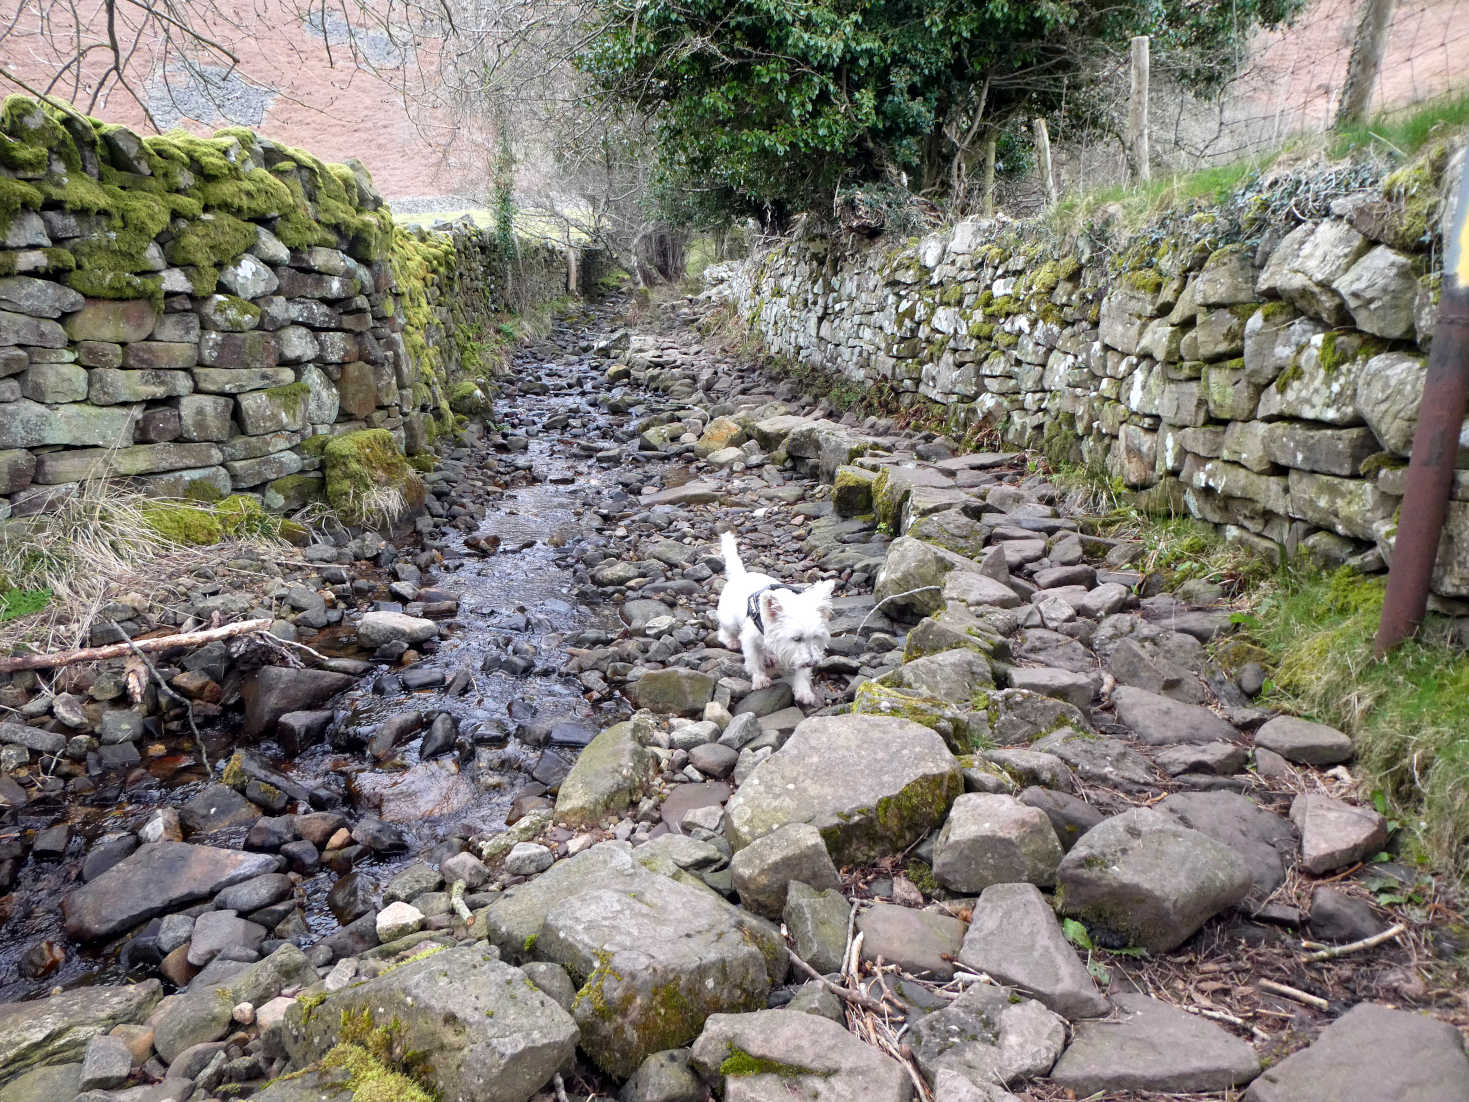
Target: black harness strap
[{"x": 752, "y": 606}]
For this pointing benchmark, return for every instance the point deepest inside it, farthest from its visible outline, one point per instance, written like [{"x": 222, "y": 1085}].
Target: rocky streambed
[{"x": 516, "y": 824}]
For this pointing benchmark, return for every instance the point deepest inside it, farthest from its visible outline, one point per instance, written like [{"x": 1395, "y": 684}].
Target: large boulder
[
  {"x": 778, "y": 1055},
  {"x": 872, "y": 785},
  {"x": 612, "y": 772},
  {"x": 158, "y": 878},
  {"x": 1265, "y": 840},
  {"x": 1373, "y": 1053},
  {"x": 989, "y": 1035},
  {"x": 276, "y": 690},
  {"x": 480, "y": 1030},
  {"x": 912, "y": 577},
  {"x": 995, "y": 839},
  {"x": 1145, "y": 876},
  {"x": 955, "y": 676},
  {"x": 652, "y": 957},
  {"x": 56, "y": 1029}
]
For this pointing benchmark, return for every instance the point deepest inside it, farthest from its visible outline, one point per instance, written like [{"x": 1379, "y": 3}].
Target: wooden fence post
[
  {"x": 1137, "y": 111},
  {"x": 1368, "y": 47},
  {"x": 1043, "y": 159}
]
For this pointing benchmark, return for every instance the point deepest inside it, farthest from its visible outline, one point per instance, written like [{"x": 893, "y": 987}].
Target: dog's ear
[
  {"x": 821, "y": 593},
  {"x": 772, "y": 607}
]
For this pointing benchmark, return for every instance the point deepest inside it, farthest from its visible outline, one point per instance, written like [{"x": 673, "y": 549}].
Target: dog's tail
[{"x": 733, "y": 568}]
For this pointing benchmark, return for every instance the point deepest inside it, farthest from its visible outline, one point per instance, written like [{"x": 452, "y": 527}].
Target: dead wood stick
[
  {"x": 167, "y": 690},
  {"x": 118, "y": 650},
  {"x": 1294, "y": 993},
  {"x": 1224, "y": 1016},
  {"x": 854, "y": 997},
  {"x": 1356, "y": 946}
]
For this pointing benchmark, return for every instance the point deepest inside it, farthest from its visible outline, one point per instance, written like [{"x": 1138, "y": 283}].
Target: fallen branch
[
  {"x": 167, "y": 690},
  {"x": 118, "y": 650},
  {"x": 1222, "y": 1016},
  {"x": 856, "y": 998},
  {"x": 456, "y": 901},
  {"x": 1293, "y": 993},
  {"x": 1356, "y": 946}
]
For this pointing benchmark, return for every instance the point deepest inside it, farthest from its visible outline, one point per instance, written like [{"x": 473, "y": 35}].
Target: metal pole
[{"x": 1435, "y": 443}]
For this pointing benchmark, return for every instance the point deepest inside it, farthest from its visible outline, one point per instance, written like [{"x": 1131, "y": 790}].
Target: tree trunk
[
  {"x": 987, "y": 182},
  {"x": 1137, "y": 112},
  {"x": 1368, "y": 47},
  {"x": 1043, "y": 159}
]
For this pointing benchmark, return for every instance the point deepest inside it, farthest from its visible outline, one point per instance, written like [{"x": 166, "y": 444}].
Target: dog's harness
[{"x": 752, "y": 606}]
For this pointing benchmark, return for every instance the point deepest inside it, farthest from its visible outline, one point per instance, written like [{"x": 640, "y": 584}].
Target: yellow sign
[{"x": 1456, "y": 241}]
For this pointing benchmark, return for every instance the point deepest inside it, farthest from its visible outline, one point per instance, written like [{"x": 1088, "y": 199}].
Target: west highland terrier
[{"x": 778, "y": 628}]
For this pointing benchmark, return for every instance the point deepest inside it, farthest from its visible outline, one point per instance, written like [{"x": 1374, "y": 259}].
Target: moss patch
[
  {"x": 364, "y": 470},
  {"x": 186, "y": 524}
]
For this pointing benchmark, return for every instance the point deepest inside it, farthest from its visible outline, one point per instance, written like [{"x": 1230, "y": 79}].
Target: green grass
[
  {"x": 15, "y": 603},
  {"x": 1408, "y": 713},
  {"x": 1405, "y": 133},
  {"x": 1144, "y": 203}
]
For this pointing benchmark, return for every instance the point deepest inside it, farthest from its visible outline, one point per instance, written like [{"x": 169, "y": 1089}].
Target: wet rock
[
  {"x": 56, "y": 1029},
  {"x": 486, "y": 1034},
  {"x": 612, "y": 773},
  {"x": 1015, "y": 938},
  {"x": 1304, "y": 742},
  {"x": 299, "y": 731},
  {"x": 764, "y": 868},
  {"x": 776, "y": 1054},
  {"x": 989, "y": 1035},
  {"x": 871, "y": 785},
  {"x": 377, "y": 629},
  {"x": 427, "y": 790},
  {"x": 158, "y": 878},
  {"x": 44, "y": 1084},
  {"x": 922, "y": 942},
  {"x": 380, "y": 837},
  {"x": 217, "y": 807},
  {"x": 270, "y": 833},
  {"x": 1146, "y": 877},
  {"x": 351, "y": 897},
  {"x": 995, "y": 839},
  {"x": 817, "y": 922},
  {"x": 466, "y": 867},
  {"x": 217, "y": 932},
  {"x": 1155, "y": 1047},
  {"x": 1334, "y": 833},
  {"x": 1161, "y": 721},
  {"x": 1372, "y": 1054},
  {"x": 417, "y": 879},
  {"x": 276, "y": 690},
  {"x": 106, "y": 852}
]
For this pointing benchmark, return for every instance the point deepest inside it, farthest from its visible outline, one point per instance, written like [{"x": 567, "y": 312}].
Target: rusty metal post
[{"x": 1435, "y": 443}]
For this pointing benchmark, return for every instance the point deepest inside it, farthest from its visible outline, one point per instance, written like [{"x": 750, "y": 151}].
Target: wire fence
[{"x": 1288, "y": 85}]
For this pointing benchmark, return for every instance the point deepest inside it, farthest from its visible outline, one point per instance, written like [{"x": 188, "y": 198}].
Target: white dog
[{"x": 776, "y": 627}]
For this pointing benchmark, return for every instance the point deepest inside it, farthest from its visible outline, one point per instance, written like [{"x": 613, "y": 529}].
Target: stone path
[{"x": 1034, "y": 839}]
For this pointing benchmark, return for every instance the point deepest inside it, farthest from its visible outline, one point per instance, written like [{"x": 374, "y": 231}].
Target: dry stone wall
[
  {"x": 201, "y": 315},
  {"x": 1261, "y": 373}
]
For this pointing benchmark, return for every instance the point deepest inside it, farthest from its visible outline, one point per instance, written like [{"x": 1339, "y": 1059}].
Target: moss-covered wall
[
  {"x": 199, "y": 315},
  {"x": 1256, "y": 361}
]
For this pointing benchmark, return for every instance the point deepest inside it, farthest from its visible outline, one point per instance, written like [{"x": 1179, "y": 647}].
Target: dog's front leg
[
  {"x": 754, "y": 660},
  {"x": 801, "y": 686}
]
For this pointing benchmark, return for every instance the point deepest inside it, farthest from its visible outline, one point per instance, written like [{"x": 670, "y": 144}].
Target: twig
[
  {"x": 1356, "y": 946},
  {"x": 856, "y": 998},
  {"x": 894, "y": 597},
  {"x": 1293, "y": 993},
  {"x": 1221, "y": 1016},
  {"x": 167, "y": 690},
  {"x": 117, "y": 650},
  {"x": 456, "y": 900}
]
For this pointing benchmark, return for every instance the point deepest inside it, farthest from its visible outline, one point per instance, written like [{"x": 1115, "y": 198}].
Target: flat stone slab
[
  {"x": 1373, "y": 1053},
  {"x": 482, "y": 1030},
  {"x": 989, "y": 1035},
  {"x": 1334, "y": 833},
  {"x": 1106, "y": 761},
  {"x": 871, "y": 784},
  {"x": 56, "y": 1029},
  {"x": 916, "y": 941},
  {"x": 1155, "y": 1047},
  {"x": 649, "y": 946},
  {"x": 1163, "y": 721},
  {"x": 782, "y": 1055},
  {"x": 157, "y": 878},
  {"x": 1304, "y": 742},
  {"x": 1145, "y": 876},
  {"x": 1015, "y": 938}
]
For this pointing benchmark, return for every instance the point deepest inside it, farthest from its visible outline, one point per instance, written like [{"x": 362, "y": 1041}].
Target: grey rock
[
  {"x": 1336, "y": 916},
  {"x": 664, "y": 1077},
  {"x": 106, "y": 1063},
  {"x": 817, "y": 923},
  {"x": 1068, "y": 685},
  {"x": 871, "y": 785},
  {"x": 995, "y": 839},
  {"x": 989, "y": 1035},
  {"x": 1015, "y": 938},
  {"x": 1334, "y": 833},
  {"x": 56, "y": 1029},
  {"x": 674, "y": 691},
  {"x": 1387, "y": 397},
  {"x": 43, "y": 1084},
  {"x": 1380, "y": 290},
  {"x": 1143, "y": 875},
  {"x": 1100, "y": 760},
  {"x": 1070, "y": 817},
  {"x": 1152, "y": 1046},
  {"x": 954, "y": 675},
  {"x": 1265, "y": 840},
  {"x": 218, "y": 931},
  {"x": 486, "y": 1033},
  {"x": 810, "y": 1057},
  {"x": 527, "y": 859},
  {"x": 613, "y": 772},
  {"x": 1372, "y": 1053},
  {"x": 1160, "y": 721},
  {"x": 378, "y": 628},
  {"x": 923, "y": 943},
  {"x": 1304, "y": 742},
  {"x": 764, "y": 868}
]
